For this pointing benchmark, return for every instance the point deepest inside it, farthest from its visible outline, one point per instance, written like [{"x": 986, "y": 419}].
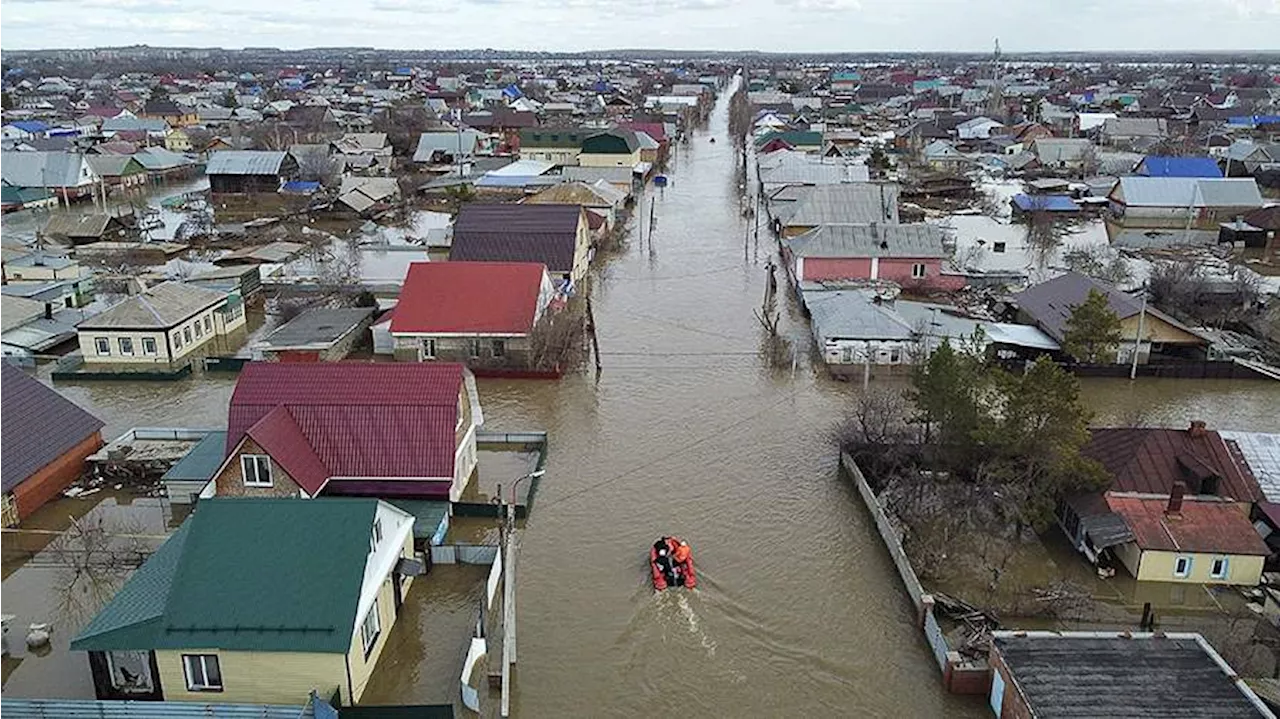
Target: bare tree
[
  {"x": 94, "y": 559},
  {"x": 1100, "y": 263},
  {"x": 317, "y": 165}
]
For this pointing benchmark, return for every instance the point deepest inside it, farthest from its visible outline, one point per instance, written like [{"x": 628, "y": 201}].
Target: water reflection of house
[{"x": 257, "y": 600}]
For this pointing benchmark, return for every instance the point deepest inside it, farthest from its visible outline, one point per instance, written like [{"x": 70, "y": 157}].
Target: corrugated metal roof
[
  {"x": 848, "y": 204},
  {"x": 161, "y": 307},
  {"x": 1205, "y": 526},
  {"x": 1261, "y": 451},
  {"x": 858, "y": 241},
  {"x": 276, "y": 574},
  {"x": 1151, "y": 459},
  {"x": 1155, "y": 166},
  {"x": 1187, "y": 192},
  {"x": 245, "y": 162},
  {"x": 201, "y": 461},
  {"x": 469, "y": 297},
  {"x": 517, "y": 233},
  {"x": 94, "y": 709},
  {"x": 38, "y": 425},
  {"x": 316, "y": 326},
  {"x": 43, "y": 169},
  {"x": 451, "y": 143},
  {"x": 850, "y": 314}
]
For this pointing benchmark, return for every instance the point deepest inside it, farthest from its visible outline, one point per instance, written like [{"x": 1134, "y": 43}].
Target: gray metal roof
[
  {"x": 245, "y": 162},
  {"x": 875, "y": 240},
  {"x": 124, "y": 123},
  {"x": 1051, "y": 151},
  {"x": 803, "y": 169},
  {"x": 161, "y": 307},
  {"x": 201, "y": 461},
  {"x": 848, "y": 204},
  {"x": 1185, "y": 192},
  {"x": 1088, "y": 674},
  {"x": 615, "y": 175},
  {"x": 42, "y": 169},
  {"x": 158, "y": 158},
  {"x": 1262, "y": 453},
  {"x": 449, "y": 142},
  {"x": 851, "y": 314},
  {"x": 316, "y": 328},
  {"x": 37, "y": 425}
]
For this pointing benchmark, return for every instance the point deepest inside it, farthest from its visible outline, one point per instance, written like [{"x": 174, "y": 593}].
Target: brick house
[
  {"x": 45, "y": 438},
  {"x": 350, "y": 428},
  {"x": 478, "y": 313}
]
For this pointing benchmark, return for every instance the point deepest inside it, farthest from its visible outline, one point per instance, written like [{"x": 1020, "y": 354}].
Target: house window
[
  {"x": 126, "y": 345},
  {"x": 186, "y": 334},
  {"x": 428, "y": 349},
  {"x": 177, "y": 339},
  {"x": 256, "y": 469},
  {"x": 475, "y": 348},
  {"x": 499, "y": 348},
  {"x": 917, "y": 270},
  {"x": 376, "y": 536},
  {"x": 208, "y": 323},
  {"x": 199, "y": 330},
  {"x": 369, "y": 629},
  {"x": 203, "y": 673},
  {"x": 130, "y": 672},
  {"x": 1219, "y": 568},
  {"x": 1182, "y": 567},
  {"x": 148, "y": 345},
  {"x": 102, "y": 345}
]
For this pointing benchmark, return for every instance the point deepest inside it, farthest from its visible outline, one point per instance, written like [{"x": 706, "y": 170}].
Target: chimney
[
  {"x": 1197, "y": 428},
  {"x": 1175, "y": 498},
  {"x": 48, "y": 310}
]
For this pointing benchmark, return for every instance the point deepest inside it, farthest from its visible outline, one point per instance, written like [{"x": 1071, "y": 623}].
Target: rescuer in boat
[{"x": 664, "y": 561}]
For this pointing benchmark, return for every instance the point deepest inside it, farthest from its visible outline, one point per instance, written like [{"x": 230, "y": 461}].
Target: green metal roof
[
  {"x": 248, "y": 575},
  {"x": 201, "y": 461},
  {"x": 795, "y": 138}
]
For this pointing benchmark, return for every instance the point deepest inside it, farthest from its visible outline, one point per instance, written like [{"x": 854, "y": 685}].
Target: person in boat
[
  {"x": 665, "y": 565},
  {"x": 682, "y": 552}
]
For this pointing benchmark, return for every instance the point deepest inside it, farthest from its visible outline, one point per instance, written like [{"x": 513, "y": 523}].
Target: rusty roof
[
  {"x": 1210, "y": 526},
  {"x": 1147, "y": 459}
]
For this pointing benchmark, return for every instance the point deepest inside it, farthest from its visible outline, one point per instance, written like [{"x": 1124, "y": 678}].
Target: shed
[
  {"x": 249, "y": 171},
  {"x": 83, "y": 229},
  {"x": 320, "y": 334}
]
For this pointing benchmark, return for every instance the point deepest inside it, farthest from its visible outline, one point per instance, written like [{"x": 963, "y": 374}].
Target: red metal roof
[
  {"x": 497, "y": 298},
  {"x": 349, "y": 419},
  {"x": 1209, "y": 526},
  {"x": 1150, "y": 460}
]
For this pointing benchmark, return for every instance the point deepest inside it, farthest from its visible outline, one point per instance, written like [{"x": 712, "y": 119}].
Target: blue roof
[
  {"x": 1153, "y": 166},
  {"x": 30, "y": 125},
  {"x": 512, "y": 91},
  {"x": 1254, "y": 120},
  {"x": 300, "y": 187},
  {"x": 1047, "y": 203}
]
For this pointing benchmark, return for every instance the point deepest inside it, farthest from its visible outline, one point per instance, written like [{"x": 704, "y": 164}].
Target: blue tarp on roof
[
  {"x": 1153, "y": 166},
  {"x": 511, "y": 91},
  {"x": 1045, "y": 203},
  {"x": 298, "y": 187},
  {"x": 1253, "y": 120},
  {"x": 30, "y": 126}
]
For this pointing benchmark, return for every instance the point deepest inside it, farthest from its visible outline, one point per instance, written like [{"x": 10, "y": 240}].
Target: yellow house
[
  {"x": 257, "y": 601},
  {"x": 1196, "y": 540},
  {"x": 177, "y": 140},
  {"x": 610, "y": 148},
  {"x": 160, "y": 326}
]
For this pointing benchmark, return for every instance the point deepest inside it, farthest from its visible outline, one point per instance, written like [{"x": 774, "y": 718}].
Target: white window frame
[
  {"x": 188, "y": 664},
  {"x": 186, "y": 334},
  {"x": 154, "y": 348},
  {"x": 102, "y": 345},
  {"x": 1223, "y": 573},
  {"x": 208, "y": 323},
  {"x": 199, "y": 331},
  {"x": 919, "y": 270},
  {"x": 177, "y": 339},
  {"x": 1186, "y": 570},
  {"x": 474, "y": 349},
  {"x": 429, "y": 348},
  {"x": 369, "y": 637},
  {"x": 255, "y": 459},
  {"x": 122, "y": 342}
]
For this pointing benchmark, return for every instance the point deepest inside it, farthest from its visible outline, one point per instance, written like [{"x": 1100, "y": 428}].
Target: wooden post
[{"x": 595, "y": 340}]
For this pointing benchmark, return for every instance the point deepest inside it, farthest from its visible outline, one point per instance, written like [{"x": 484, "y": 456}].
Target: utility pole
[
  {"x": 1137, "y": 338},
  {"x": 595, "y": 340},
  {"x": 506, "y": 528}
]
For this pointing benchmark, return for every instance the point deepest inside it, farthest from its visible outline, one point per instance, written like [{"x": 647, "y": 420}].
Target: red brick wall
[
  {"x": 230, "y": 482},
  {"x": 54, "y": 477}
]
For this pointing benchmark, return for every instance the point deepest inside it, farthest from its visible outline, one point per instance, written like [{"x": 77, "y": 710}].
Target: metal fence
[
  {"x": 93, "y": 709},
  {"x": 463, "y": 553}
]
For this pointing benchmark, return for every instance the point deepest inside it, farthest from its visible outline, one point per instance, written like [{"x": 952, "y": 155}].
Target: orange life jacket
[{"x": 682, "y": 553}]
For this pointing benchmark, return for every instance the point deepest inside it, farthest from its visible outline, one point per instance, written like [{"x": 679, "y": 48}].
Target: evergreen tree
[{"x": 1092, "y": 331}]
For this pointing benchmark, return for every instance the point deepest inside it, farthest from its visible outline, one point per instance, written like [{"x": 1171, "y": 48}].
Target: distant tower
[{"x": 995, "y": 100}]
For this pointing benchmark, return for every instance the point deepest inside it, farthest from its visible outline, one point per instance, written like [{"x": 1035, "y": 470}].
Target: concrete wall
[
  {"x": 256, "y": 677},
  {"x": 49, "y": 480}
]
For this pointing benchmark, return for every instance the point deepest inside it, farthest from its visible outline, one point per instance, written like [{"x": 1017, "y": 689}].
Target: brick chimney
[
  {"x": 1175, "y": 498},
  {"x": 1197, "y": 428}
]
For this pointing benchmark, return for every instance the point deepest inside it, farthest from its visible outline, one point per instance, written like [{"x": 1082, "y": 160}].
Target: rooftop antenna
[{"x": 995, "y": 105}]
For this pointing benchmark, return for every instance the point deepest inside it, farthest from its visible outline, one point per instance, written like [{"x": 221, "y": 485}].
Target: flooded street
[{"x": 689, "y": 431}]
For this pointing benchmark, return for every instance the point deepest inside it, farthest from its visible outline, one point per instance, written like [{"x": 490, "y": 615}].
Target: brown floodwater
[{"x": 689, "y": 431}]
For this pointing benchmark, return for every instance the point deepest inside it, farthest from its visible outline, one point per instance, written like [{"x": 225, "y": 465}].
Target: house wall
[
  {"x": 564, "y": 156},
  {"x": 582, "y": 252},
  {"x": 256, "y": 677},
  {"x": 609, "y": 159},
  {"x": 464, "y": 458},
  {"x": 816, "y": 269},
  {"x": 361, "y": 667},
  {"x": 49, "y": 480},
  {"x": 1156, "y": 566},
  {"x": 165, "y": 352},
  {"x": 230, "y": 481},
  {"x": 1013, "y": 704},
  {"x": 518, "y": 352},
  {"x": 1155, "y": 329},
  {"x": 884, "y": 353}
]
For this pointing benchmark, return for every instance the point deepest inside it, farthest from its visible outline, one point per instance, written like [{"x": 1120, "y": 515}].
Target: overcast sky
[{"x": 771, "y": 25}]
